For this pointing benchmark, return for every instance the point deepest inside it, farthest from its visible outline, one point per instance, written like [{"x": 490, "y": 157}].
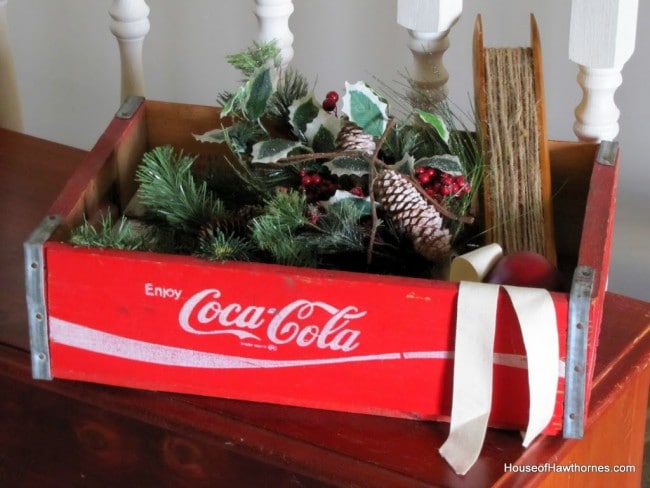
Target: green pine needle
[
  {"x": 292, "y": 86},
  {"x": 109, "y": 236},
  {"x": 169, "y": 189},
  {"x": 403, "y": 140},
  {"x": 276, "y": 231},
  {"x": 288, "y": 208},
  {"x": 291, "y": 238},
  {"x": 340, "y": 230},
  {"x": 215, "y": 245},
  {"x": 258, "y": 55},
  {"x": 241, "y": 136}
]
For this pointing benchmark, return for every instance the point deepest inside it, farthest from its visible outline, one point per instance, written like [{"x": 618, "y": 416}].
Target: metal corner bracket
[
  {"x": 35, "y": 295},
  {"x": 129, "y": 107},
  {"x": 607, "y": 153},
  {"x": 576, "y": 360}
]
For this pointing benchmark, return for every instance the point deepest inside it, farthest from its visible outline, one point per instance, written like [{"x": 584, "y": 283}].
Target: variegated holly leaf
[
  {"x": 273, "y": 150},
  {"x": 345, "y": 165},
  {"x": 233, "y": 102},
  {"x": 258, "y": 91},
  {"x": 215, "y": 135},
  {"x": 405, "y": 165},
  {"x": 321, "y": 132},
  {"x": 362, "y": 203},
  {"x": 447, "y": 163},
  {"x": 238, "y": 136},
  {"x": 363, "y": 106},
  {"x": 436, "y": 122},
  {"x": 302, "y": 112}
]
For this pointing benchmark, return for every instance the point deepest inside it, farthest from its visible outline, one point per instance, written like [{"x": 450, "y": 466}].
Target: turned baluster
[
  {"x": 10, "y": 110},
  {"x": 428, "y": 23},
  {"x": 601, "y": 41},
  {"x": 273, "y": 19},
  {"x": 130, "y": 25}
]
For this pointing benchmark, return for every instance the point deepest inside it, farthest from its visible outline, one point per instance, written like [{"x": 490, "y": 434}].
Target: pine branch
[
  {"x": 215, "y": 245},
  {"x": 241, "y": 136},
  {"x": 109, "y": 235},
  {"x": 256, "y": 56},
  {"x": 292, "y": 86},
  {"x": 224, "y": 98},
  {"x": 275, "y": 232},
  {"x": 169, "y": 190},
  {"x": 403, "y": 141},
  {"x": 339, "y": 230}
]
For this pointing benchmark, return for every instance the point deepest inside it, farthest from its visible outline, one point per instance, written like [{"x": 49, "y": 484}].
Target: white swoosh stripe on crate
[
  {"x": 88, "y": 339},
  {"x": 502, "y": 359},
  {"x": 85, "y": 338}
]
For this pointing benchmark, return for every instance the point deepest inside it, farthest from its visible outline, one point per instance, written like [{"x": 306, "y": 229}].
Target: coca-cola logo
[{"x": 302, "y": 322}]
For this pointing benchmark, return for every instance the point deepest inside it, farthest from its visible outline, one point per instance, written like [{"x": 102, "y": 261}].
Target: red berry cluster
[
  {"x": 358, "y": 191},
  {"x": 440, "y": 185},
  {"x": 315, "y": 186},
  {"x": 331, "y": 99}
]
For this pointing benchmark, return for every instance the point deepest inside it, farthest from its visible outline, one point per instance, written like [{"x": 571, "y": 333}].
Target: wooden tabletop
[
  {"x": 32, "y": 173},
  {"x": 64, "y": 433}
]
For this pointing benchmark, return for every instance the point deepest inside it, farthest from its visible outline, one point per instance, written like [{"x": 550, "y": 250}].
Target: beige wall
[{"x": 68, "y": 71}]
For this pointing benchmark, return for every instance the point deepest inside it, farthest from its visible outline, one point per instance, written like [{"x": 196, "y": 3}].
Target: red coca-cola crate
[{"x": 313, "y": 338}]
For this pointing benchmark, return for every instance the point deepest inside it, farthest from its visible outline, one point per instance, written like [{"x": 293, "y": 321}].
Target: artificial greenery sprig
[
  {"x": 293, "y": 237},
  {"x": 258, "y": 55},
  {"x": 275, "y": 232},
  {"x": 169, "y": 190},
  {"x": 110, "y": 235},
  {"x": 216, "y": 245}
]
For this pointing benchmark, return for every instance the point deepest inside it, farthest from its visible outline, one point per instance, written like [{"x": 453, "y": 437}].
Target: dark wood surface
[{"x": 64, "y": 433}]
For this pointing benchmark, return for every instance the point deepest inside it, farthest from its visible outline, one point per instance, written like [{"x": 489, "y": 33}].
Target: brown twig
[
  {"x": 301, "y": 158},
  {"x": 372, "y": 174}
]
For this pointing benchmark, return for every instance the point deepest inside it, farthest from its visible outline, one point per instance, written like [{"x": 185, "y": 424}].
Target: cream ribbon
[
  {"x": 473, "y": 364},
  {"x": 538, "y": 322},
  {"x": 472, "y": 384},
  {"x": 476, "y": 264}
]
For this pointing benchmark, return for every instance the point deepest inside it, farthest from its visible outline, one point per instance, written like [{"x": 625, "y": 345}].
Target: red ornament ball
[{"x": 526, "y": 268}]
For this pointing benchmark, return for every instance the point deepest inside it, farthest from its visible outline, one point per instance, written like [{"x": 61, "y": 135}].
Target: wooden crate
[{"x": 313, "y": 338}]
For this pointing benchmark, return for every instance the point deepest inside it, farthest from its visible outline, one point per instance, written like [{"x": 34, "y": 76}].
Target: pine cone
[
  {"x": 352, "y": 138},
  {"x": 411, "y": 213}
]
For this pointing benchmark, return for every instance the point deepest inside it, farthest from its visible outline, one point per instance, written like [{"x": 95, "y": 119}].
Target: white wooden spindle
[
  {"x": 130, "y": 25},
  {"x": 601, "y": 41},
  {"x": 10, "y": 110},
  {"x": 428, "y": 23},
  {"x": 273, "y": 20}
]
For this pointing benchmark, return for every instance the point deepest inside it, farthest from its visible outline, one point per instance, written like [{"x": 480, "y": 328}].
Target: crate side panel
[
  {"x": 177, "y": 123},
  {"x": 572, "y": 164},
  {"x": 305, "y": 339},
  {"x": 595, "y": 249},
  {"x": 128, "y": 155},
  {"x": 94, "y": 185},
  {"x": 338, "y": 341}
]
